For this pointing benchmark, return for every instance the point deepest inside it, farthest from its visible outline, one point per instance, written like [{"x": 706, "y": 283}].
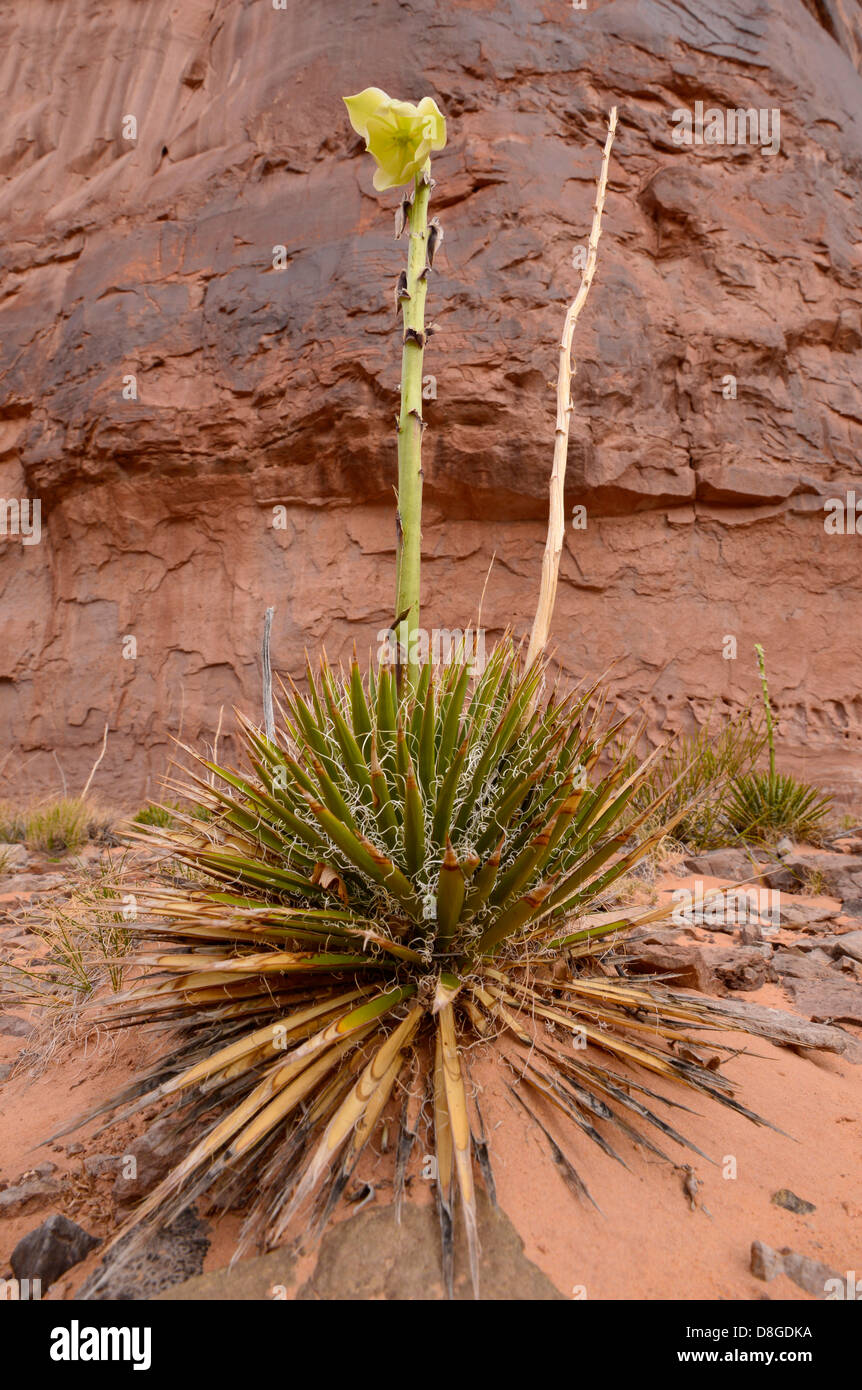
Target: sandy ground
[{"x": 646, "y": 1243}]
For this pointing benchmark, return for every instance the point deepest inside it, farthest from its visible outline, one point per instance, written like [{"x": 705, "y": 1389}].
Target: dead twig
[
  {"x": 556, "y": 514},
  {"x": 98, "y": 760}
]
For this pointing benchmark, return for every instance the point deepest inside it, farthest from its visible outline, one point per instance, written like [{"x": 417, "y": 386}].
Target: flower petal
[
  {"x": 362, "y": 106},
  {"x": 382, "y": 180},
  {"x": 434, "y": 122},
  {"x": 398, "y": 134}
]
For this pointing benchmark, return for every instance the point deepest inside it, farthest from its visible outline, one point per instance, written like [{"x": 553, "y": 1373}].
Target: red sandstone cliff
[{"x": 260, "y": 388}]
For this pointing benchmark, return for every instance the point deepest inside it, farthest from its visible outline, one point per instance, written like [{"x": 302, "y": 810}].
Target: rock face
[{"x": 154, "y": 157}]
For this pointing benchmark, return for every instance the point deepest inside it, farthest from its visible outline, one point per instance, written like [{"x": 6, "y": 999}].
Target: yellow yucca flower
[{"x": 399, "y": 134}]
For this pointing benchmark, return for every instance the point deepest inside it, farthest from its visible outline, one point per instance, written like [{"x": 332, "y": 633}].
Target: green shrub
[{"x": 764, "y": 804}]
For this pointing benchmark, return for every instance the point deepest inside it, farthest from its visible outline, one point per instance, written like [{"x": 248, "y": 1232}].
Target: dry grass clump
[{"x": 58, "y": 825}]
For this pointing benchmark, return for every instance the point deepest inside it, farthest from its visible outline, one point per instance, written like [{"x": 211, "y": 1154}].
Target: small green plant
[
  {"x": 765, "y": 804},
  {"x": 158, "y": 815},
  {"x": 814, "y": 883},
  {"x": 762, "y": 805}
]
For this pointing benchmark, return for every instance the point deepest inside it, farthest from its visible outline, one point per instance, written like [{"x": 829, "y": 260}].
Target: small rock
[
  {"x": 789, "y": 1200},
  {"x": 51, "y": 1249},
  {"x": 810, "y": 1275},
  {"x": 97, "y": 1164},
  {"x": 406, "y": 1260},
  {"x": 44, "y": 1170},
  {"x": 792, "y": 1030},
  {"x": 841, "y": 873},
  {"x": 14, "y": 1027},
  {"x": 730, "y": 864},
  {"x": 72, "y": 1149},
  {"x": 765, "y": 1262},
  {"x": 13, "y": 856},
  {"x": 850, "y": 944},
  {"x": 834, "y": 999},
  {"x": 821, "y": 957},
  {"x": 802, "y": 965},
  {"x": 784, "y": 846},
  {"x": 794, "y": 913},
  {"x": 698, "y": 1055},
  {"x": 825, "y": 946},
  {"x": 683, "y": 964},
  {"x": 36, "y": 882},
  {"x": 155, "y": 1153},
  {"x": 807, "y": 1274},
  {"x": 781, "y": 878},
  {"x": 19, "y": 1198},
  {"x": 5, "y": 1071},
  {"x": 741, "y": 967}
]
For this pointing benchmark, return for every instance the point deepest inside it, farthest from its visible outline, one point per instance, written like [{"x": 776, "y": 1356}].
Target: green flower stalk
[
  {"x": 400, "y": 137},
  {"x": 761, "y": 662}
]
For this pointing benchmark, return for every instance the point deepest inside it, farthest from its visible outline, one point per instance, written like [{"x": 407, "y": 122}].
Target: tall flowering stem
[
  {"x": 770, "y": 734},
  {"x": 412, "y": 290},
  {"x": 400, "y": 137}
]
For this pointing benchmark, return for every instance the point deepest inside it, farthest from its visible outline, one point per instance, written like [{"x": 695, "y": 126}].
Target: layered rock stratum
[{"x": 716, "y": 406}]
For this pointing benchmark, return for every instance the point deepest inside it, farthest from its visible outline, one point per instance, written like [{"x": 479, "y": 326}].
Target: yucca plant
[
  {"x": 390, "y": 880},
  {"x": 776, "y": 803},
  {"x": 761, "y": 804},
  {"x": 411, "y": 863}
]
